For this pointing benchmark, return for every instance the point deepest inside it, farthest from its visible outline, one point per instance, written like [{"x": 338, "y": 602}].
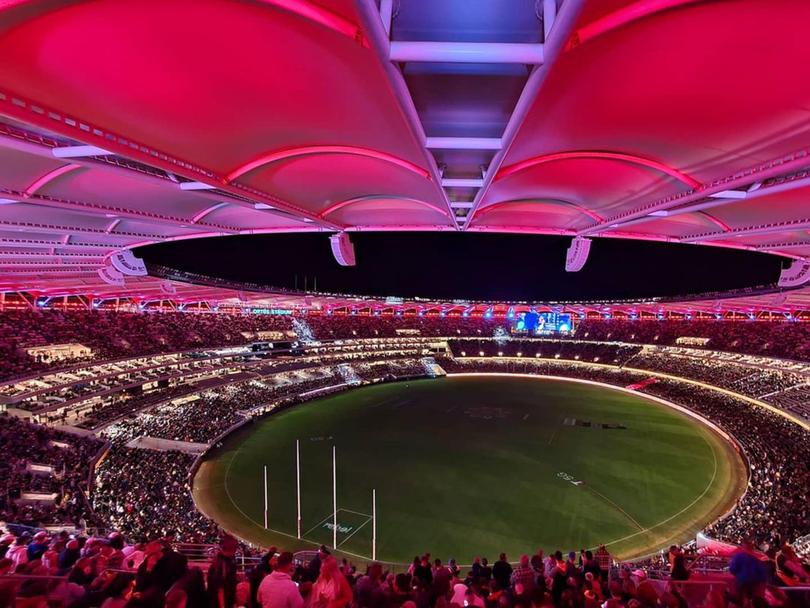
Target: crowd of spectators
[
  {"x": 44, "y": 461},
  {"x": 767, "y": 384},
  {"x": 389, "y": 369},
  {"x": 330, "y": 327},
  {"x": 794, "y": 399},
  {"x": 104, "y": 412},
  {"x": 203, "y": 419},
  {"x": 782, "y": 387},
  {"x": 146, "y": 494},
  {"x": 199, "y": 419},
  {"x": 596, "y": 352},
  {"x": 113, "y": 335},
  {"x": 113, "y": 572},
  {"x": 787, "y": 340}
]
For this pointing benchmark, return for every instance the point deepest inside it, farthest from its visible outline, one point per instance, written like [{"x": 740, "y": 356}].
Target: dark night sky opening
[{"x": 473, "y": 266}]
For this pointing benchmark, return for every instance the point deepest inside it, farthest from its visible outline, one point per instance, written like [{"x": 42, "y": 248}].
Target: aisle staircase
[
  {"x": 303, "y": 331},
  {"x": 432, "y": 368},
  {"x": 348, "y": 374}
]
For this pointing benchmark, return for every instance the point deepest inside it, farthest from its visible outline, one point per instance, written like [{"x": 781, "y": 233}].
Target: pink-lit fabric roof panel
[
  {"x": 217, "y": 85},
  {"x": 668, "y": 86}
]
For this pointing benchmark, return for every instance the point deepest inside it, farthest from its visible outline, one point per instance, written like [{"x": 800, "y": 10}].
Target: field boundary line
[
  {"x": 686, "y": 508},
  {"x": 615, "y": 506}
]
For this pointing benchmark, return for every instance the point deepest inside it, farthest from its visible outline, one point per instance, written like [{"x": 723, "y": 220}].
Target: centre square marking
[{"x": 349, "y": 523}]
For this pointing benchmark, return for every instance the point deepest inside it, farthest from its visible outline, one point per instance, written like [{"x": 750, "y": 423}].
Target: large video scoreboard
[{"x": 537, "y": 323}]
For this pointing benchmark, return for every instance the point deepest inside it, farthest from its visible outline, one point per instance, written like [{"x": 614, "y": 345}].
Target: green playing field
[{"x": 467, "y": 466}]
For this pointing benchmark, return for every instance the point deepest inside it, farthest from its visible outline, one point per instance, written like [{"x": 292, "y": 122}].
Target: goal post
[
  {"x": 374, "y": 525},
  {"x": 298, "y": 486},
  {"x": 334, "y": 499},
  {"x": 265, "y": 498}
]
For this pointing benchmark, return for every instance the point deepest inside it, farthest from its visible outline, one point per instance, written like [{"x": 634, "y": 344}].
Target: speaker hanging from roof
[
  {"x": 577, "y": 254},
  {"x": 126, "y": 263},
  {"x": 111, "y": 276},
  {"x": 798, "y": 273},
  {"x": 342, "y": 249}
]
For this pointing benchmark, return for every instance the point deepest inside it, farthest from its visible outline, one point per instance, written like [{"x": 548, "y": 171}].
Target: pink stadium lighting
[
  {"x": 49, "y": 177},
  {"x": 590, "y": 154},
  {"x": 280, "y": 155},
  {"x": 617, "y": 19},
  {"x": 322, "y": 16},
  {"x": 591, "y": 214},
  {"x": 340, "y": 205}
]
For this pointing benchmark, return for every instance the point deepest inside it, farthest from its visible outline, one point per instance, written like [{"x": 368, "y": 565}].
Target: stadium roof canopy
[{"x": 124, "y": 123}]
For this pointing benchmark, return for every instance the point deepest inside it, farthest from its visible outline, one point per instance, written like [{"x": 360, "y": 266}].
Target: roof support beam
[
  {"x": 598, "y": 155},
  {"x": 19, "y": 108},
  {"x": 101, "y": 164},
  {"x": 110, "y": 211},
  {"x": 196, "y": 186},
  {"x": 61, "y": 229},
  {"x": 26, "y": 243},
  {"x": 48, "y": 264},
  {"x": 695, "y": 200},
  {"x": 27, "y": 255},
  {"x": 386, "y": 14},
  {"x": 462, "y": 182},
  {"x": 380, "y": 42},
  {"x": 549, "y": 15},
  {"x": 559, "y": 27},
  {"x": 790, "y": 226},
  {"x": 463, "y": 143},
  {"x": 467, "y": 52},
  {"x": 79, "y": 151},
  {"x": 783, "y": 245},
  {"x": 313, "y": 12}
]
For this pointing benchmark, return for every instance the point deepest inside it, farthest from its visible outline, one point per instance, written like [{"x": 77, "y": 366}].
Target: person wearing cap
[
  {"x": 277, "y": 589},
  {"x": 157, "y": 573},
  {"x": 452, "y": 566},
  {"x": 38, "y": 546}
]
